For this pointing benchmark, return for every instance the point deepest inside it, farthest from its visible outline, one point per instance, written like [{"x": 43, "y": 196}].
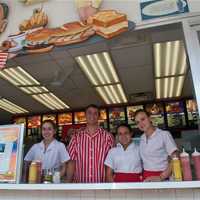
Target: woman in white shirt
[
  {"x": 51, "y": 153},
  {"x": 123, "y": 163},
  {"x": 156, "y": 147}
]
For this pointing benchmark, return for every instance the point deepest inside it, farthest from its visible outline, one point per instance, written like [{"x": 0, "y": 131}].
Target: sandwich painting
[
  {"x": 109, "y": 23},
  {"x": 39, "y": 38}
]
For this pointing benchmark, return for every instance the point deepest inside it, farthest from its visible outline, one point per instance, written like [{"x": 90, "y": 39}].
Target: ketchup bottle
[
  {"x": 196, "y": 160},
  {"x": 185, "y": 163}
]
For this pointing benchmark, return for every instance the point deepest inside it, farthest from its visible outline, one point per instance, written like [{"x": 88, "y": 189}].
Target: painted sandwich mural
[
  {"x": 36, "y": 37},
  {"x": 3, "y": 16}
]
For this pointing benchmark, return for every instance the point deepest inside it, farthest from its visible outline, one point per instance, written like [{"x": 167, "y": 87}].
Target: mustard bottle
[{"x": 176, "y": 169}]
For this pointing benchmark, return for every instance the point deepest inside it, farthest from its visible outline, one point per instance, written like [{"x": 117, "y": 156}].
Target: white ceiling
[{"x": 131, "y": 53}]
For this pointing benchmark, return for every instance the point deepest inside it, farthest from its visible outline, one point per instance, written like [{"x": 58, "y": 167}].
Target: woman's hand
[{"x": 153, "y": 179}]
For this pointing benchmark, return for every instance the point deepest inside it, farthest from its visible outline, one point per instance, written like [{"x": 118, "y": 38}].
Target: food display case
[
  {"x": 131, "y": 114},
  {"x": 175, "y": 114},
  {"x": 64, "y": 119},
  {"x": 34, "y": 123},
  {"x": 103, "y": 122},
  {"x": 79, "y": 117},
  {"x": 156, "y": 111},
  {"x": 116, "y": 117},
  {"x": 192, "y": 112}
]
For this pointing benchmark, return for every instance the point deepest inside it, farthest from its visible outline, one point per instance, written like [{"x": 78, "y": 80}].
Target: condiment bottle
[
  {"x": 56, "y": 177},
  {"x": 176, "y": 169},
  {"x": 32, "y": 178},
  {"x": 185, "y": 164},
  {"x": 39, "y": 171},
  {"x": 196, "y": 160},
  {"x": 48, "y": 176}
]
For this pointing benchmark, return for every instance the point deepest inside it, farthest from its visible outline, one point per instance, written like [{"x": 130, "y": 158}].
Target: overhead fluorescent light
[
  {"x": 101, "y": 72},
  {"x": 28, "y": 84},
  {"x": 170, "y": 68},
  {"x": 169, "y": 87},
  {"x": 11, "y": 107}
]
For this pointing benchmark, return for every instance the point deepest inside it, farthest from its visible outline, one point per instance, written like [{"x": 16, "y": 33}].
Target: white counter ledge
[{"x": 103, "y": 186}]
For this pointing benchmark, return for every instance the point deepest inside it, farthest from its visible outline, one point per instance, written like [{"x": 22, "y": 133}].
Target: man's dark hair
[
  {"x": 141, "y": 111},
  {"x": 124, "y": 125},
  {"x": 91, "y": 106}
]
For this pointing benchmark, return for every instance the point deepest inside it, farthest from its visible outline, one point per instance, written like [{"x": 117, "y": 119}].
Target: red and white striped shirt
[
  {"x": 89, "y": 152},
  {"x": 3, "y": 59}
]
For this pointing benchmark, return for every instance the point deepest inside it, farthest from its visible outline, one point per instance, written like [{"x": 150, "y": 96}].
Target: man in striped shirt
[{"x": 88, "y": 149}]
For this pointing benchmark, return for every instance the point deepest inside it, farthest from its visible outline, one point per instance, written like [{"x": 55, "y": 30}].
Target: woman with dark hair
[
  {"x": 123, "y": 163},
  {"x": 51, "y": 153},
  {"x": 156, "y": 146}
]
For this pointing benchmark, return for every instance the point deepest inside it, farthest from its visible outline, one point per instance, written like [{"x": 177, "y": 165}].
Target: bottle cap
[
  {"x": 195, "y": 153},
  {"x": 184, "y": 153}
]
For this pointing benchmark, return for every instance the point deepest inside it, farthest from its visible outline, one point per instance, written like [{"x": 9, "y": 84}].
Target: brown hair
[
  {"x": 50, "y": 122},
  {"x": 141, "y": 111}
]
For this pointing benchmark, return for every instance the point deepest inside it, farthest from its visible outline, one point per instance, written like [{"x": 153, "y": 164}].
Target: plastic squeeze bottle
[
  {"x": 196, "y": 160},
  {"x": 176, "y": 169},
  {"x": 185, "y": 164}
]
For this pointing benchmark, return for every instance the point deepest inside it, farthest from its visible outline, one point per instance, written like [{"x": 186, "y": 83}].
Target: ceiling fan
[{"x": 59, "y": 77}]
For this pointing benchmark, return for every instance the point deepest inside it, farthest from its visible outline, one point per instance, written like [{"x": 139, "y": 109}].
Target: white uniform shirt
[
  {"x": 53, "y": 157},
  {"x": 156, "y": 149},
  {"x": 124, "y": 161}
]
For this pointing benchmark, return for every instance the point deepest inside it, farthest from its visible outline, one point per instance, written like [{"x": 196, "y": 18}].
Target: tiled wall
[{"x": 164, "y": 194}]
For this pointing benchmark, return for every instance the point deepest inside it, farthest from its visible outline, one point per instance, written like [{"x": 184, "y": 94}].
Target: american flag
[{"x": 3, "y": 59}]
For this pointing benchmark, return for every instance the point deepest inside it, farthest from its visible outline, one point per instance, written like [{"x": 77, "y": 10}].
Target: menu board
[
  {"x": 116, "y": 117},
  {"x": 175, "y": 114},
  {"x": 34, "y": 123},
  {"x": 156, "y": 111},
  {"x": 192, "y": 112},
  {"x": 20, "y": 120},
  {"x": 103, "y": 119},
  {"x": 64, "y": 119},
  {"x": 131, "y": 114},
  {"x": 49, "y": 117},
  {"x": 11, "y": 141},
  {"x": 79, "y": 117}
]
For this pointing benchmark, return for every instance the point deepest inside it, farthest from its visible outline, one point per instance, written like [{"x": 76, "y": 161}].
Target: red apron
[
  {"x": 150, "y": 173},
  {"x": 127, "y": 177}
]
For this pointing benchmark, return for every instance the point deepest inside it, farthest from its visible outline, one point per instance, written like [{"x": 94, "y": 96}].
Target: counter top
[{"x": 102, "y": 186}]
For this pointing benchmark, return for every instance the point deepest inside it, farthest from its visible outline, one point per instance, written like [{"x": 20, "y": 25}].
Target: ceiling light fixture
[
  {"x": 25, "y": 82},
  {"x": 101, "y": 72},
  {"x": 11, "y": 107},
  {"x": 170, "y": 68}
]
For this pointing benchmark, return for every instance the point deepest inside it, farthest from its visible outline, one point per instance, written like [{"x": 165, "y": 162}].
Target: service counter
[{"x": 114, "y": 191}]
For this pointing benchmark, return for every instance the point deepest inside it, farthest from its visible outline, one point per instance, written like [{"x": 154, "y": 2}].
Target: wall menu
[
  {"x": 49, "y": 117},
  {"x": 192, "y": 112},
  {"x": 116, "y": 117},
  {"x": 131, "y": 114},
  {"x": 175, "y": 114},
  {"x": 11, "y": 141},
  {"x": 156, "y": 111}
]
